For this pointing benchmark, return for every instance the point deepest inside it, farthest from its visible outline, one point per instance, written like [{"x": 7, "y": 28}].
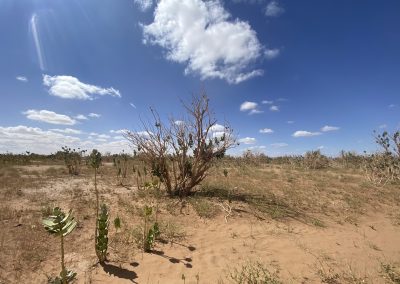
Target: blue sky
[{"x": 289, "y": 76}]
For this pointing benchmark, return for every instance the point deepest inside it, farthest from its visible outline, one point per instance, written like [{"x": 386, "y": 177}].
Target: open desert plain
[
  {"x": 269, "y": 220},
  {"x": 199, "y": 141}
]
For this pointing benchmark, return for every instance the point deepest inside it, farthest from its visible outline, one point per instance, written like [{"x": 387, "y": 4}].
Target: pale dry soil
[{"x": 343, "y": 244}]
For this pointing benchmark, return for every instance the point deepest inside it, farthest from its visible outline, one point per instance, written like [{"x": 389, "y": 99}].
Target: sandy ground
[{"x": 350, "y": 252}]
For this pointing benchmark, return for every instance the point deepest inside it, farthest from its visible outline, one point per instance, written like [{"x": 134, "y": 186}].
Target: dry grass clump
[
  {"x": 204, "y": 208},
  {"x": 253, "y": 273},
  {"x": 391, "y": 273}
]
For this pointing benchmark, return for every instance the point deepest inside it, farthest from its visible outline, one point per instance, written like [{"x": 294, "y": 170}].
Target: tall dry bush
[
  {"x": 384, "y": 167},
  {"x": 181, "y": 152},
  {"x": 315, "y": 160}
]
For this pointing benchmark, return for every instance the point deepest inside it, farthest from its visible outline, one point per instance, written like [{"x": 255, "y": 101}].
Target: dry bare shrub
[
  {"x": 315, "y": 160},
  {"x": 121, "y": 163},
  {"x": 383, "y": 167},
  {"x": 254, "y": 158},
  {"x": 349, "y": 159},
  {"x": 72, "y": 159},
  {"x": 180, "y": 153}
]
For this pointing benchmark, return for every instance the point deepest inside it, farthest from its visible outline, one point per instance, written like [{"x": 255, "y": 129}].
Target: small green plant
[
  {"x": 117, "y": 223},
  {"x": 95, "y": 163},
  {"x": 61, "y": 224},
  {"x": 149, "y": 234},
  {"x": 102, "y": 234},
  {"x": 146, "y": 235}
]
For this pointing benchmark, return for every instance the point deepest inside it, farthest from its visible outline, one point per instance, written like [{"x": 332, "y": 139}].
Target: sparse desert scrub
[{"x": 273, "y": 208}]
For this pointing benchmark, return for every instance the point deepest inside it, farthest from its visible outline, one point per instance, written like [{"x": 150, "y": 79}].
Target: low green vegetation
[{"x": 61, "y": 225}]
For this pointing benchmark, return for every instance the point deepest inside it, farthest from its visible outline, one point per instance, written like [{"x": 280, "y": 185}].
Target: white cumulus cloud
[
  {"x": 248, "y": 140},
  {"x": 327, "y": 128},
  {"x": 266, "y": 131},
  {"x": 81, "y": 117},
  {"x": 217, "y": 128},
  {"x": 49, "y": 117},
  {"x": 119, "y": 131},
  {"x": 68, "y": 87},
  {"x": 302, "y": 133},
  {"x": 67, "y": 131},
  {"x": 203, "y": 35},
  {"x": 273, "y": 9},
  {"x": 248, "y": 106},
  {"x": 18, "y": 139},
  {"x": 144, "y": 5}
]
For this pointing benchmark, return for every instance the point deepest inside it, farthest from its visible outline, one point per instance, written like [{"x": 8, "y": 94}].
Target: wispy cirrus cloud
[
  {"x": 203, "y": 35},
  {"x": 94, "y": 115},
  {"x": 274, "y": 9},
  {"x": 22, "y": 79},
  {"x": 68, "y": 87},
  {"x": 328, "y": 128},
  {"x": 49, "y": 117},
  {"x": 266, "y": 102},
  {"x": 279, "y": 144},
  {"x": 272, "y": 53},
  {"x": 274, "y": 108},
  {"x": 81, "y": 117},
  {"x": 255, "y": 111},
  {"x": 303, "y": 133},
  {"x": 34, "y": 30}
]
